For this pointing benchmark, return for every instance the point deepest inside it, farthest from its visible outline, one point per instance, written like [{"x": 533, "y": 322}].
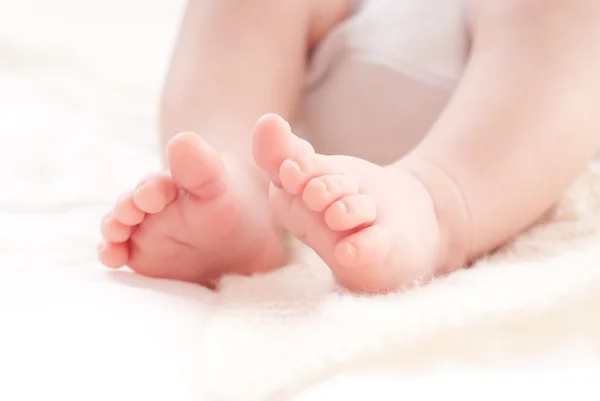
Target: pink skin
[
  {"x": 374, "y": 226},
  {"x": 195, "y": 224},
  {"x": 378, "y": 228},
  {"x": 205, "y": 220}
]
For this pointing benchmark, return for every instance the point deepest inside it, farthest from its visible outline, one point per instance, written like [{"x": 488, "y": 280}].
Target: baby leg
[{"x": 209, "y": 215}]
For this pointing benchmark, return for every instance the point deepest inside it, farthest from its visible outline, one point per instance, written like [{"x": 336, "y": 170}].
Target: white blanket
[{"x": 78, "y": 90}]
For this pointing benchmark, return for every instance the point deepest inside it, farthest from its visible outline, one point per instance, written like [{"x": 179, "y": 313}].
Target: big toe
[
  {"x": 195, "y": 165},
  {"x": 275, "y": 143}
]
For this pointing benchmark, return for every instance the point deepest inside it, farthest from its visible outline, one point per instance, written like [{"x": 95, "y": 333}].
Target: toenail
[
  {"x": 294, "y": 165},
  {"x": 139, "y": 193},
  {"x": 124, "y": 196},
  {"x": 323, "y": 186},
  {"x": 101, "y": 246},
  {"x": 352, "y": 251},
  {"x": 343, "y": 207}
]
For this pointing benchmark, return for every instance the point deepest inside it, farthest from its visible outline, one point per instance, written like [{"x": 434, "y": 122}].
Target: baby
[{"x": 430, "y": 132}]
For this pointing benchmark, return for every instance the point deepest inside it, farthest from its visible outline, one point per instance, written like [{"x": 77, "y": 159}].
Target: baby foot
[
  {"x": 204, "y": 219},
  {"x": 374, "y": 226}
]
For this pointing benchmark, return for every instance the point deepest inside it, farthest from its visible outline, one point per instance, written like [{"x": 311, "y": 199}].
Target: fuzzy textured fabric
[{"x": 78, "y": 91}]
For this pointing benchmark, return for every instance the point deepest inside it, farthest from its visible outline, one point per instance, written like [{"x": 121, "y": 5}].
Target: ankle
[{"x": 450, "y": 208}]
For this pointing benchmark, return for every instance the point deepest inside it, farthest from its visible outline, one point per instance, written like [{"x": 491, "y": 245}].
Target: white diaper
[{"x": 380, "y": 79}]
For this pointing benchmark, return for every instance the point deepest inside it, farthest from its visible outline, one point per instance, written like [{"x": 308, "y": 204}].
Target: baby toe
[
  {"x": 296, "y": 173},
  {"x": 368, "y": 247},
  {"x": 351, "y": 212},
  {"x": 322, "y": 191},
  {"x": 147, "y": 178},
  {"x": 274, "y": 143},
  {"x": 155, "y": 194},
  {"x": 113, "y": 255},
  {"x": 114, "y": 231},
  {"x": 126, "y": 212}
]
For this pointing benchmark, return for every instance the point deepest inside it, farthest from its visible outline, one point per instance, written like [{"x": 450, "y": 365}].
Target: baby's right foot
[{"x": 203, "y": 220}]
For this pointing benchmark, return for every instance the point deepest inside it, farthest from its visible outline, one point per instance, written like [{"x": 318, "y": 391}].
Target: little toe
[
  {"x": 322, "y": 191},
  {"x": 126, "y": 212},
  {"x": 368, "y": 247},
  {"x": 155, "y": 193},
  {"x": 350, "y": 212},
  {"x": 113, "y": 255},
  {"x": 114, "y": 231}
]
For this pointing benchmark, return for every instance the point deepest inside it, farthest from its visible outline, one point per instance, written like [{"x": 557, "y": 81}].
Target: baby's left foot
[{"x": 375, "y": 227}]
